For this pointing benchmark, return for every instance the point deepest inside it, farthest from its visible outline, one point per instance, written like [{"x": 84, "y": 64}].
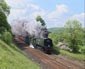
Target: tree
[
  {"x": 41, "y": 20},
  {"x": 53, "y": 36},
  {"x": 3, "y": 22},
  {"x": 75, "y": 34},
  {"x": 4, "y": 11},
  {"x": 4, "y": 7}
]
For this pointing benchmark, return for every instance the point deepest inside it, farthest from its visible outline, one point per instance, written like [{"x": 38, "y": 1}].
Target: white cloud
[
  {"x": 36, "y": 10},
  {"x": 16, "y": 14},
  {"x": 80, "y": 17},
  {"x": 61, "y": 8},
  {"x": 18, "y": 3},
  {"x": 30, "y": 10},
  {"x": 33, "y": 7},
  {"x": 59, "y": 11},
  {"x": 58, "y": 17},
  {"x": 18, "y": 8},
  {"x": 55, "y": 18},
  {"x": 41, "y": 13}
]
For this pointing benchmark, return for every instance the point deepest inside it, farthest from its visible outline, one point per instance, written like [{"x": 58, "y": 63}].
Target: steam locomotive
[{"x": 45, "y": 44}]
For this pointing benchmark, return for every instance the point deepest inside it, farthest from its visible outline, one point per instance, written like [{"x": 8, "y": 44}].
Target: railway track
[
  {"x": 43, "y": 58},
  {"x": 67, "y": 62},
  {"x": 46, "y": 61}
]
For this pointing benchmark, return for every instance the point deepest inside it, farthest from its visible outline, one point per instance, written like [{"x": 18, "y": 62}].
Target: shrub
[
  {"x": 7, "y": 37},
  {"x": 82, "y": 49}
]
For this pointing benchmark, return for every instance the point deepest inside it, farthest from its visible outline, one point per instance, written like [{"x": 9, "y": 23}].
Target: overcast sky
[{"x": 54, "y": 12}]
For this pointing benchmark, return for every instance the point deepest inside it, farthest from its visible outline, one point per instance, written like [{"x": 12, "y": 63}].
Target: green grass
[
  {"x": 73, "y": 55},
  {"x": 11, "y": 58}
]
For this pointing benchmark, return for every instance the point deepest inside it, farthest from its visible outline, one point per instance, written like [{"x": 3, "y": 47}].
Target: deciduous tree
[
  {"x": 75, "y": 33},
  {"x": 41, "y": 20},
  {"x": 4, "y": 11}
]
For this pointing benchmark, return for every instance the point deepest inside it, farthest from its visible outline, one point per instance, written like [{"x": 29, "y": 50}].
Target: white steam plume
[{"x": 21, "y": 26}]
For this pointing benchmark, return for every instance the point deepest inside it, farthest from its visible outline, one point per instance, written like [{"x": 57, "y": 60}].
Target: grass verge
[
  {"x": 10, "y": 58},
  {"x": 80, "y": 57}
]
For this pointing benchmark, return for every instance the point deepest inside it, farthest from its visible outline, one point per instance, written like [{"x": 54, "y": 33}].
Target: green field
[{"x": 13, "y": 58}]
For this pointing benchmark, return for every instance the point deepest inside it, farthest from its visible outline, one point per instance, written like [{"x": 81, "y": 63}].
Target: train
[
  {"x": 42, "y": 41},
  {"x": 44, "y": 44}
]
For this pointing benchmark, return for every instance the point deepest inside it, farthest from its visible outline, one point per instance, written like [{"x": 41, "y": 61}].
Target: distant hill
[
  {"x": 12, "y": 58},
  {"x": 56, "y": 29}
]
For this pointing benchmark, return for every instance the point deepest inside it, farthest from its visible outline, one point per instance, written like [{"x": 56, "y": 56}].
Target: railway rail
[
  {"x": 46, "y": 61},
  {"x": 67, "y": 62}
]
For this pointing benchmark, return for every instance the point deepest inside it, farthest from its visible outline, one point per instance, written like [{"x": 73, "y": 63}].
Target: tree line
[
  {"x": 5, "y": 28},
  {"x": 73, "y": 35}
]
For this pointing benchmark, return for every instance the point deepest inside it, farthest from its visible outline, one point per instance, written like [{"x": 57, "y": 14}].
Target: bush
[
  {"x": 7, "y": 37},
  {"x": 2, "y": 29},
  {"x": 82, "y": 50},
  {"x": 56, "y": 50}
]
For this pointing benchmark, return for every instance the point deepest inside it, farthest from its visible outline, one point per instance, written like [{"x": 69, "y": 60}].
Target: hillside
[
  {"x": 56, "y": 29},
  {"x": 12, "y": 58}
]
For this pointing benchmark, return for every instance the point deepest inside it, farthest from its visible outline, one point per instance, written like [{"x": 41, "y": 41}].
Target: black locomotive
[{"x": 44, "y": 44}]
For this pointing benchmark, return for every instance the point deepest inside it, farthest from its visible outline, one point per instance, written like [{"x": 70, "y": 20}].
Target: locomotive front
[{"x": 48, "y": 45}]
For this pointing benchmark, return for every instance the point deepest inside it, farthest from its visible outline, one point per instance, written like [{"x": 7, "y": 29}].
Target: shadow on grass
[{"x": 56, "y": 51}]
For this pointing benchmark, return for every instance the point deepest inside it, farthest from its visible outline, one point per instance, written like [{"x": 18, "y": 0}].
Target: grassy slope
[
  {"x": 12, "y": 59},
  {"x": 56, "y": 29},
  {"x": 80, "y": 57}
]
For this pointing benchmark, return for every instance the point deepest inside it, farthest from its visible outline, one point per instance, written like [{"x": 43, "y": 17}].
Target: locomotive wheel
[
  {"x": 48, "y": 52},
  {"x": 43, "y": 49}
]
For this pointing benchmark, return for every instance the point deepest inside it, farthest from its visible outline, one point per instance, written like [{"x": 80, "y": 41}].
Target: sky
[{"x": 55, "y": 12}]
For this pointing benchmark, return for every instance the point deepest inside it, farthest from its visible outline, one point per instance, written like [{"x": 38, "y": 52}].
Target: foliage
[
  {"x": 58, "y": 34},
  {"x": 82, "y": 49},
  {"x": 41, "y": 20},
  {"x": 3, "y": 22},
  {"x": 4, "y": 10},
  {"x": 71, "y": 35},
  {"x": 53, "y": 37},
  {"x": 5, "y": 29},
  {"x": 56, "y": 50},
  {"x": 7, "y": 37},
  {"x": 12, "y": 59},
  {"x": 2, "y": 30},
  {"x": 57, "y": 37},
  {"x": 75, "y": 34},
  {"x": 4, "y": 7}
]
